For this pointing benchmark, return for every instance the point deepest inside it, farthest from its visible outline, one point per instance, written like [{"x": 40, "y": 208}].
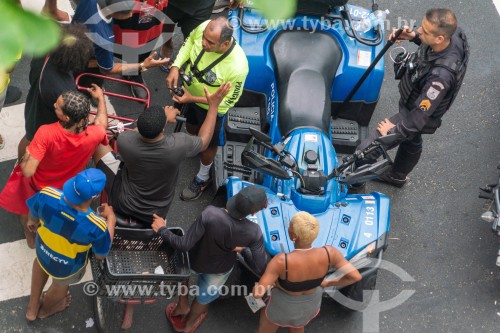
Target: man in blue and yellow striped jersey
[{"x": 67, "y": 229}]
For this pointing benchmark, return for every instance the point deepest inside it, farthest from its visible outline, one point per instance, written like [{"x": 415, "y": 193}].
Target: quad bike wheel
[
  {"x": 355, "y": 293},
  {"x": 240, "y": 276},
  {"x": 108, "y": 314}
]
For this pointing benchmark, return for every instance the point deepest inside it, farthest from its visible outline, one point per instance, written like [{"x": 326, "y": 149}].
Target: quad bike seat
[{"x": 306, "y": 64}]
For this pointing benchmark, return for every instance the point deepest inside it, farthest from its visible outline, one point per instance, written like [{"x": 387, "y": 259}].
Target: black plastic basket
[{"x": 128, "y": 272}]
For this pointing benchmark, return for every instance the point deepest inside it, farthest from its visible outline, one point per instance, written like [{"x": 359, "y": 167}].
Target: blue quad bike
[{"x": 313, "y": 85}]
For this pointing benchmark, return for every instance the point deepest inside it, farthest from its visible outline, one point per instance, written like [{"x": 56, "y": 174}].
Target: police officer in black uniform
[{"x": 430, "y": 79}]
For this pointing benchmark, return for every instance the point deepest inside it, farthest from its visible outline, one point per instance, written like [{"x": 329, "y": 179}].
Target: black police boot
[
  {"x": 406, "y": 159},
  {"x": 390, "y": 179},
  {"x": 136, "y": 91},
  {"x": 359, "y": 188}
]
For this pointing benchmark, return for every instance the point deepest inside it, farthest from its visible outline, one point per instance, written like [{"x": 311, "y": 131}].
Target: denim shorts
[{"x": 209, "y": 286}]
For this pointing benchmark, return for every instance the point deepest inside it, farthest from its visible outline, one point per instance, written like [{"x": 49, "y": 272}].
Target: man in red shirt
[{"x": 58, "y": 152}]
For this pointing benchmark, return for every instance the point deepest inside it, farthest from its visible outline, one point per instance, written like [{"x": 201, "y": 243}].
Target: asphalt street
[{"x": 436, "y": 235}]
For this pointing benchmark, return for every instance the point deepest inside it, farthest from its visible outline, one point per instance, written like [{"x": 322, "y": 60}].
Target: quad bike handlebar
[
  {"x": 275, "y": 168},
  {"x": 379, "y": 144}
]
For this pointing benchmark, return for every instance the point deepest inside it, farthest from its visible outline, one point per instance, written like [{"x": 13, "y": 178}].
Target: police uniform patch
[
  {"x": 432, "y": 93},
  {"x": 210, "y": 77},
  {"x": 425, "y": 105}
]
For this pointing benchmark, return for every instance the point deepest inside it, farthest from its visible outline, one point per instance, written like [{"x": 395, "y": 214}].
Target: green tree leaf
[{"x": 24, "y": 31}]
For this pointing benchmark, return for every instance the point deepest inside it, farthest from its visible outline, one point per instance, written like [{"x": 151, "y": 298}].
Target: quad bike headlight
[{"x": 488, "y": 217}]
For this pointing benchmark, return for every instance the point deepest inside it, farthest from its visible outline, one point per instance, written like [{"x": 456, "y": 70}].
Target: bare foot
[
  {"x": 57, "y": 14},
  {"x": 31, "y": 314},
  {"x": 61, "y": 306}
]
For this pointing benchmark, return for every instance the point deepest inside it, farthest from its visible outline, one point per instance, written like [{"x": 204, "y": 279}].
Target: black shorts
[
  {"x": 196, "y": 116},
  {"x": 111, "y": 166},
  {"x": 188, "y": 22}
]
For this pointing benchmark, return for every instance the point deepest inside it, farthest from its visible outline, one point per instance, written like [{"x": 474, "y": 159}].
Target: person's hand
[
  {"x": 151, "y": 62},
  {"x": 233, "y": 4},
  {"x": 384, "y": 126},
  {"x": 216, "y": 98},
  {"x": 158, "y": 223},
  {"x": 258, "y": 291},
  {"x": 407, "y": 34},
  {"x": 186, "y": 98},
  {"x": 25, "y": 157},
  {"x": 171, "y": 113},
  {"x": 96, "y": 92},
  {"x": 238, "y": 249},
  {"x": 173, "y": 77},
  {"x": 32, "y": 224},
  {"x": 107, "y": 211}
]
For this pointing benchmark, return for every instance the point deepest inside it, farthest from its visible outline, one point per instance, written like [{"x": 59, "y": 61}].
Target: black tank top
[{"x": 302, "y": 285}]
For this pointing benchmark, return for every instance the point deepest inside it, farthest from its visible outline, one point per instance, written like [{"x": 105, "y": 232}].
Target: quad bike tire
[
  {"x": 240, "y": 276},
  {"x": 108, "y": 314},
  {"x": 355, "y": 293}
]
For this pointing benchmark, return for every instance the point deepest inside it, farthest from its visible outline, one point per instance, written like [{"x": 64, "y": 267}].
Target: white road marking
[
  {"x": 17, "y": 262},
  {"x": 37, "y": 5},
  {"x": 65, "y": 6},
  {"x": 12, "y": 130},
  {"x": 497, "y": 4}
]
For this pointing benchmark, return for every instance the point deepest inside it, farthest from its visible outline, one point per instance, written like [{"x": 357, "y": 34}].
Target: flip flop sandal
[
  {"x": 200, "y": 319},
  {"x": 175, "y": 321}
]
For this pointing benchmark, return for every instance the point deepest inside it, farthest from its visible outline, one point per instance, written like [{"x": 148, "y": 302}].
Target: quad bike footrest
[
  {"x": 230, "y": 167},
  {"x": 228, "y": 163},
  {"x": 239, "y": 120},
  {"x": 346, "y": 135}
]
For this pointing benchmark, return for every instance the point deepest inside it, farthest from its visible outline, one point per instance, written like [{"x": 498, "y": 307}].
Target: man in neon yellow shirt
[{"x": 212, "y": 57}]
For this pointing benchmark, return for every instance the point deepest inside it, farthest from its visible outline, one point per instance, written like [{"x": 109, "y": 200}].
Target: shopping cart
[{"x": 140, "y": 267}]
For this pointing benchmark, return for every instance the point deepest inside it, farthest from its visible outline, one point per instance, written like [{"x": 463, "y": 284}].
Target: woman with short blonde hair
[{"x": 298, "y": 278}]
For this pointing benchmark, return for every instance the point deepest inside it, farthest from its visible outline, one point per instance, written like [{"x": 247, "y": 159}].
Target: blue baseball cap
[{"x": 84, "y": 186}]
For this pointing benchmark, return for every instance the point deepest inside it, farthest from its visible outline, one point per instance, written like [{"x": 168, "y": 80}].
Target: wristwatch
[{"x": 142, "y": 67}]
